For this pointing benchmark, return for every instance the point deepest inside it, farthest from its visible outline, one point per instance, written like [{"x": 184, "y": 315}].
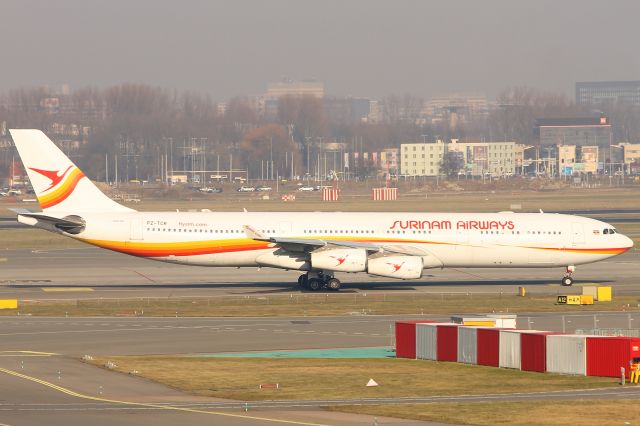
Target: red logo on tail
[{"x": 52, "y": 175}]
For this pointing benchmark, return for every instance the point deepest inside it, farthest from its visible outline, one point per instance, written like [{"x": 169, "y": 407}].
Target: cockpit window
[
  {"x": 612, "y": 231},
  {"x": 605, "y": 231},
  {"x": 608, "y": 231}
]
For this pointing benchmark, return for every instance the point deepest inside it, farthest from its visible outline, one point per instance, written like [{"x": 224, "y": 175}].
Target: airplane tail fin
[{"x": 58, "y": 183}]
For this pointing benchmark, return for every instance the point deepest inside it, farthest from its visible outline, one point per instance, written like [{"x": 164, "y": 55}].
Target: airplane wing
[{"x": 310, "y": 244}]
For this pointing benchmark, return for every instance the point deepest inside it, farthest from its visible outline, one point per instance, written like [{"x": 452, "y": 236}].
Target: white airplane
[{"x": 394, "y": 245}]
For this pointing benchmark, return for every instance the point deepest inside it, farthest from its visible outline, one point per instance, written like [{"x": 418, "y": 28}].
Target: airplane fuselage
[{"x": 450, "y": 239}]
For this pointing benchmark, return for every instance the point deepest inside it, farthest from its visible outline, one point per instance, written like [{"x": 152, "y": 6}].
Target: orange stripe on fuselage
[
  {"x": 63, "y": 191},
  {"x": 617, "y": 250},
  {"x": 185, "y": 248}
]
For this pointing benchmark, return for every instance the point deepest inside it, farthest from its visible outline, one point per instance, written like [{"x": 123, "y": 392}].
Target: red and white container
[
  {"x": 406, "y": 338},
  {"x": 447, "y": 336},
  {"x": 533, "y": 351},
  {"x": 488, "y": 341},
  {"x": 427, "y": 340},
  {"x": 567, "y": 354},
  {"x": 605, "y": 355}
]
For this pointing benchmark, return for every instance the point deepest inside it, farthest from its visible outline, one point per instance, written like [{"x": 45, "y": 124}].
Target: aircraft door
[
  {"x": 285, "y": 229},
  {"x": 136, "y": 229},
  {"x": 577, "y": 233}
]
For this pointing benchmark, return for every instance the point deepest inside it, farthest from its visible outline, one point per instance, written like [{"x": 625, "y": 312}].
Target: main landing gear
[
  {"x": 316, "y": 281},
  {"x": 567, "y": 280}
]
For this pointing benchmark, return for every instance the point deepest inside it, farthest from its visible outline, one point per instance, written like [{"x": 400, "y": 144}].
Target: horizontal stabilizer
[{"x": 69, "y": 224}]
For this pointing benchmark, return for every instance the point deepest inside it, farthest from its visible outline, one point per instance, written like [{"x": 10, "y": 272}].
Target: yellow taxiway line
[
  {"x": 26, "y": 353},
  {"x": 142, "y": 404}
]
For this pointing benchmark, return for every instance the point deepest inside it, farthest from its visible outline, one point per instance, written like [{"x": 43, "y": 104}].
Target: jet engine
[
  {"x": 340, "y": 259},
  {"x": 400, "y": 267}
]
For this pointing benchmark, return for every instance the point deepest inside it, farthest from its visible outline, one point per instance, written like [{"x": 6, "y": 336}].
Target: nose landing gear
[
  {"x": 567, "y": 280},
  {"x": 316, "y": 281}
]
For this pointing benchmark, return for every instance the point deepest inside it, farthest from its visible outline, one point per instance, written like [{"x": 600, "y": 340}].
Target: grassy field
[
  {"x": 312, "y": 304},
  {"x": 239, "y": 378},
  {"x": 529, "y": 413}
]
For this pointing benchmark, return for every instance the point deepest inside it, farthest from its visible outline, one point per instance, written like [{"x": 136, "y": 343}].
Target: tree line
[{"x": 149, "y": 128}]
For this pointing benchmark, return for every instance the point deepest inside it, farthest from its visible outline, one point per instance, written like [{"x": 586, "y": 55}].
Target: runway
[{"x": 95, "y": 272}]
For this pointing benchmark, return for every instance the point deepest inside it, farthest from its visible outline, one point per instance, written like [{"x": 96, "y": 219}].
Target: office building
[
  {"x": 594, "y": 93},
  {"x": 477, "y": 158}
]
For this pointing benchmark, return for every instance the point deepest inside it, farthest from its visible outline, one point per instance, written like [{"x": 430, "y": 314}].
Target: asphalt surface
[
  {"x": 42, "y": 380},
  {"x": 30, "y": 273}
]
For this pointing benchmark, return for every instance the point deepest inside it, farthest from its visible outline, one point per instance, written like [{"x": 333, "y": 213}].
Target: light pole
[{"x": 308, "y": 139}]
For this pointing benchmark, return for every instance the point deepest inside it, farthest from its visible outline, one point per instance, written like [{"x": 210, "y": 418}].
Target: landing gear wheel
[
  {"x": 302, "y": 280},
  {"x": 567, "y": 281},
  {"x": 314, "y": 284},
  {"x": 333, "y": 284}
]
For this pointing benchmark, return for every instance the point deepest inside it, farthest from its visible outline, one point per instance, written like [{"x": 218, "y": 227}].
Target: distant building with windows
[
  {"x": 421, "y": 159},
  {"x": 477, "y": 158},
  {"x": 631, "y": 152},
  {"x": 595, "y": 93}
]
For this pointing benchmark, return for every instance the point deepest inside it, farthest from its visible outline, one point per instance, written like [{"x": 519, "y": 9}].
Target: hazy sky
[{"x": 356, "y": 47}]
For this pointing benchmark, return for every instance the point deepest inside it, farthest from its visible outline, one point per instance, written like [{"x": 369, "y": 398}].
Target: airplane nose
[{"x": 627, "y": 242}]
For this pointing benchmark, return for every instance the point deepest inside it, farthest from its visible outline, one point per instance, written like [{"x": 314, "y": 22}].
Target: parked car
[
  {"x": 3, "y": 194},
  {"x": 263, "y": 188},
  {"x": 246, "y": 189},
  {"x": 15, "y": 192},
  {"x": 306, "y": 188}
]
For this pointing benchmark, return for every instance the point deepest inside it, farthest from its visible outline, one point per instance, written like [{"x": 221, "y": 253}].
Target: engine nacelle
[
  {"x": 340, "y": 259},
  {"x": 400, "y": 267}
]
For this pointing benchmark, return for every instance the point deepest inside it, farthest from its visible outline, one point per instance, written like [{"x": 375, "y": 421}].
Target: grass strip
[
  {"x": 318, "y": 378},
  {"x": 311, "y": 304}
]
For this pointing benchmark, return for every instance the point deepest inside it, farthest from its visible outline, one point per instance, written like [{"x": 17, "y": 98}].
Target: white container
[
  {"x": 504, "y": 320},
  {"x": 426, "y": 341},
  {"x": 509, "y": 349},
  {"x": 468, "y": 345},
  {"x": 567, "y": 354}
]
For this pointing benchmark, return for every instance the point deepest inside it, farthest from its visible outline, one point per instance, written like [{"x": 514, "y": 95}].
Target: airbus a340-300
[{"x": 393, "y": 245}]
